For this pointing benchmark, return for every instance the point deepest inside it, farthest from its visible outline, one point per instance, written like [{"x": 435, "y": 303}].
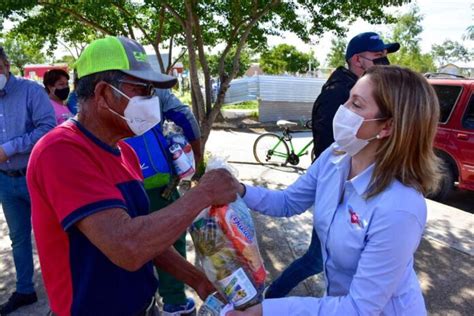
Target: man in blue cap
[{"x": 364, "y": 51}]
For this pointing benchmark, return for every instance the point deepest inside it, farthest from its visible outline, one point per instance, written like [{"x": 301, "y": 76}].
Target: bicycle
[{"x": 273, "y": 148}]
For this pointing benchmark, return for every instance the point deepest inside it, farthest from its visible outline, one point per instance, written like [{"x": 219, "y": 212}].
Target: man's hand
[
  {"x": 255, "y": 310},
  {"x": 3, "y": 156},
  {"x": 219, "y": 186}
]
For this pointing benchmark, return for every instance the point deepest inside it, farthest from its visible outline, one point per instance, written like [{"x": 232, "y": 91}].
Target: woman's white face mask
[
  {"x": 141, "y": 113},
  {"x": 345, "y": 126}
]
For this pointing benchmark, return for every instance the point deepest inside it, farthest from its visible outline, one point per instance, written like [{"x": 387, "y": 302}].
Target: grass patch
[{"x": 247, "y": 105}]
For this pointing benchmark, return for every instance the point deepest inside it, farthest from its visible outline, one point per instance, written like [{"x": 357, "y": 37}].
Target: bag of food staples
[{"x": 226, "y": 245}]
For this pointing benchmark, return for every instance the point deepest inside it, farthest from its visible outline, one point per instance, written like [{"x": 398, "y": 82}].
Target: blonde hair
[{"x": 407, "y": 155}]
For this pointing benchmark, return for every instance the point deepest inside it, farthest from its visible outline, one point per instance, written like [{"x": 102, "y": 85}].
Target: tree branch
[
  {"x": 202, "y": 58},
  {"x": 235, "y": 31},
  {"x": 198, "y": 100},
  {"x": 175, "y": 14},
  {"x": 235, "y": 66},
  {"x": 68, "y": 49},
  {"x": 158, "y": 36},
  {"x": 170, "y": 53},
  {"x": 179, "y": 57},
  {"x": 135, "y": 22},
  {"x": 130, "y": 31},
  {"x": 79, "y": 17}
]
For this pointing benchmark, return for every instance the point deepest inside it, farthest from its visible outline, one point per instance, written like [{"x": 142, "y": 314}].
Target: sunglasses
[{"x": 148, "y": 87}]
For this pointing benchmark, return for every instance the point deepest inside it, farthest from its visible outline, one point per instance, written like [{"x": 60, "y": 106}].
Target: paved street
[{"x": 444, "y": 261}]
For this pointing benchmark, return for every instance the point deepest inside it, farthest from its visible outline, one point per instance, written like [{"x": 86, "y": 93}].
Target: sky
[{"x": 447, "y": 19}]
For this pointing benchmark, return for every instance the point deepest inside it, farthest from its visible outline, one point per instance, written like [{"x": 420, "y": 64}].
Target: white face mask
[
  {"x": 345, "y": 126},
  {"x": 3, "y": 81},
  {"x": 141, "y": 113}
]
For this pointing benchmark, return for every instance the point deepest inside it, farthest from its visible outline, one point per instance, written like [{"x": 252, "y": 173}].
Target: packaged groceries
[
  {"x": 212, "y": 306},
  {"x": 226, "y": 245},
  {"x": 181, "y": 151}
]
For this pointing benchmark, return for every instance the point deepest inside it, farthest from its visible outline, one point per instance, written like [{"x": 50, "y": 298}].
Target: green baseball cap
[{"x": 120, "y": 53}]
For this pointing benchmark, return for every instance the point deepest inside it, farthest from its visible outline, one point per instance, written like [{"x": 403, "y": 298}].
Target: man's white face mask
[
  {"x": 141, "y": 114},
  {"x": 345, "y": 126}
]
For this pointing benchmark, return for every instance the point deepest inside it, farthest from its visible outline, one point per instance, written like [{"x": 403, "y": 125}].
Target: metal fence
[{"x": 280, "y": 97}]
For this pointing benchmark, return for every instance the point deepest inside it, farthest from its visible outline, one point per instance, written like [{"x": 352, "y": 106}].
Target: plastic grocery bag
[
  {"x": 181, "y": 151},
  {"x": 226, "y": 245}
]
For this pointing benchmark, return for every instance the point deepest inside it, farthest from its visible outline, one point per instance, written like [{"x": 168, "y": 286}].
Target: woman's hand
[{"x": 255, "y": 310}]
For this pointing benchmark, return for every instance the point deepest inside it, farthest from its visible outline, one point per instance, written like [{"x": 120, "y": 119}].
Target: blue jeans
[
  {"x": 309, "y": 264},
  {"x": 17, "y": 209}
]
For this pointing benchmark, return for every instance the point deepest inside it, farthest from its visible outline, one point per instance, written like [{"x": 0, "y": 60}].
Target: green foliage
[
  {"x": 450, "y": 51},
  {"x": 78, "y": 22},
  {"x": 407, "y": 32},
  {"x": 244, "y": 63},
  {"x": 21, "y": 51},
  {"x": 337, "y": 53},
  {"x": 286, "y": 58},
  {"x": 195, "y": 24}
]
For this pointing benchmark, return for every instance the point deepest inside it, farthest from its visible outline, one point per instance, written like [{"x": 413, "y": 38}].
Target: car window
[
  {"x": 468, "y": 118},
  {"x": 447, "y": 96}
]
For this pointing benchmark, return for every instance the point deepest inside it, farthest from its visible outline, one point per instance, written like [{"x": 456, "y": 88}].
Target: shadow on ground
[{"x": 446, "y": 278}]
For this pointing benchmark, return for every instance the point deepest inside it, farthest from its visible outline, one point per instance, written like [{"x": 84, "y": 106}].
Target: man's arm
[
  {"x": 173, "y": 263},
  {"x": 132, "y": 242},
  {"x": 42, "y": 116}
]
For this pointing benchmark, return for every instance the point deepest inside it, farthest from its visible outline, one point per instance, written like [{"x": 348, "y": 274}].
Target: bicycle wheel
[{"x": 271, "y": 148}]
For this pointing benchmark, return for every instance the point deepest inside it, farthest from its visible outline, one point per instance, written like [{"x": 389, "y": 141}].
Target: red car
[{"x": 454, "y": 141}]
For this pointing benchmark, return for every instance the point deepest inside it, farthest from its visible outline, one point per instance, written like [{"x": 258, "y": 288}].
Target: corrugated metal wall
[{"x": 280, "y": 97}]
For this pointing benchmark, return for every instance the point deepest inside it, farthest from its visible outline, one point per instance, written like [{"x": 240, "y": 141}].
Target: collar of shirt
[
  {"x": 10, "y": 83},
  {"x": 361, "y": 181}
]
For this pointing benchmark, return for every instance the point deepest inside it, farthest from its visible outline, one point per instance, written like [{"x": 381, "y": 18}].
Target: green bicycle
[{"x": 273, "y": 148}]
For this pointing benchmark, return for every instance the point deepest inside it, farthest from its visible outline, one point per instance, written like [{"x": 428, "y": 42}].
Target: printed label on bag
[
  {"x": 238, "y": 288},
  {"x": 181, "y": 163}
]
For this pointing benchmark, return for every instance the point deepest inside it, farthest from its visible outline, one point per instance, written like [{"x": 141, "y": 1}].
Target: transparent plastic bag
[
  {"x": 212, "y": 306},
  {"x": 227, "y": 248},
  {"x": 181, "y": 151}
]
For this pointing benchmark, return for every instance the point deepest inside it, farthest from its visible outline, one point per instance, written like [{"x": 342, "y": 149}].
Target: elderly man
[
  {"x": 96, "y": 239},
  {"x": 25, "y": 116}
]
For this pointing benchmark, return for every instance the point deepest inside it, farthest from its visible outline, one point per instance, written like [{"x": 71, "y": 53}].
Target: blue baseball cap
[{"x": 369, "y": 42}]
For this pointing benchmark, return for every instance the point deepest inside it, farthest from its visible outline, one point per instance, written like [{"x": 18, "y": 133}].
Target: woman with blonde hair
[{"x": 368, "y": 194}]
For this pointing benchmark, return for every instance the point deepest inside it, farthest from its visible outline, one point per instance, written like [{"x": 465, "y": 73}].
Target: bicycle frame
[
  {"x": 287, "y": 135},
  {"x": 277, "y": 153},
  {"x": 303, "y": 151}
]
